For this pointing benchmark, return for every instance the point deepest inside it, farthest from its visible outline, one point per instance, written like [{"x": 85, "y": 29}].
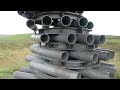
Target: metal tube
[
  {"x": 73, "y": 63},
  {"x": 80, "y": 12},
  {"x": 64, "y": 38},
  {"x": 82, "y": 46},
  {"x": 103, "y": 55},
  {"x": 85, "y": 39},
  {"x": 44, "y": 75},
  {"x": 107, "y": 64},
  {"x": 90, "y": 25},
  {"x": 112, "y": 52},
  {"x": 65, "y": 21},
  {"x": 31, "y": 25},
  {"x": 55, "y": 71},
  {"x": 37, "y": 55},
  {"x": 107, "y": 69},
  {"x": 57, "y": 30},
  {"x": 85, "y": 56},
  {"x": 36, "y": 59},
  {"x": 42, "y": 38},
  {"x": 47, "y": 52},
  {"x": 23, "y": 75},
  {"x": 99, "y": 39},
  {"x": 94, "y": 74},
  {"x": 35, "y": 12},
  {"x": 27, "y": 70},
  {"x": 46, "y": 21},
  {"x": 80, "y": 23},
  {"x": 57, "y": 45},
  {"x": 25, "y": 14}
]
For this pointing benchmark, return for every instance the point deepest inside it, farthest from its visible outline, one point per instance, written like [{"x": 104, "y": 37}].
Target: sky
[{"x": 105, "y": 22}]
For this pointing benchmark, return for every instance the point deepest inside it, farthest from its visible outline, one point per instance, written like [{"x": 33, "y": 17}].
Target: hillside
[
  {"x": 3, "y": 36},
  {"x": 20, "y": 37}
]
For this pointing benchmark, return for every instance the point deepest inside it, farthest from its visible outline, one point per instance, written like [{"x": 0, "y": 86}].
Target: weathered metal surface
[{"x": 65, "y": 49}]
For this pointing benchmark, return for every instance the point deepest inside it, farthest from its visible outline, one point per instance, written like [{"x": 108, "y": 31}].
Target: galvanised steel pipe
[
  {"x": 103, "y": 55},
  {"x": 65, "y": 21},
  {"x": 80, "y": 23},
  {"x": 57, "y": 45},
  {"x": 82, "y": 46},
  {"x": 94, "y": 74},
  {"x": 85, "y": 39},
  {"x": 46, "y": 21},
  {"x": 35, "y": 12},
  {"x": 44, "y": 75},
  {"x": 27, "y": 70},
  {"x": 64, "y": 38},
  {"x": 112, "y": 52},
  {"x": 59, "y": 30},
  {"x": 107, "y": 69},
  {"x": 55, "y": 71},
  {"x": 37, "y": 55},
  {"x": 73, "y": 63},
  {"x": 35, "y": 59},
  {"x": 38, "y": 73},
  {"x": 84, "y": 55},
  {"x": 25, "y": 14},
  {"x": 80, "y": 12},
  {"x": 99, "y": 39},
  {"x": 24, "y": 75},
  {"x": 47, "y": 52},
  {"x": 107, "y": 64},
  {"x": 31, "y": 24},
  {"x": 42, "y": 38},
  {"x": 90, "y": 25}
]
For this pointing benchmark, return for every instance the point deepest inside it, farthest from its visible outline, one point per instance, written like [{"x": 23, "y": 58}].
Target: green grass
[{"x": 13, "y": 50}]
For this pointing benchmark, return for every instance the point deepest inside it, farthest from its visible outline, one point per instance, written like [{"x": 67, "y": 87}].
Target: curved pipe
[
  {"x": 47, "y": 52},
  {"x": 27, "y": 70},
  {"x": 85, "y": 39},
  {"x": 42, "y": 38},
  {"x": 45, "y": 20},
  {"x": 94, "y": 74},
  {"x": 99, "y": 39},
  {"x": 82, "y": 22},
  {"x": 90, "y": 25},
  {"x": 55, "y": 71},
  {"x": 25, "y": 14},
  {"x": 103, "y": 55},
  {"x": 35, "y": 12},
  {"x": 112, "y": 52},
  {"x": 64, "y": 21},
  {"x": 24, "y": 75},
  {"x": 31, "y": 25},
  {"x": 107, "y": 69},
  {"x": 64, "y": 38},
  {"x": 85, "y": 56},
  {"x": 107, "y": 64}
]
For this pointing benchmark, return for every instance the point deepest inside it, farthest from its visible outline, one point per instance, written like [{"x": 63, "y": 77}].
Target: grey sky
[{"x": 105, "y": 22}]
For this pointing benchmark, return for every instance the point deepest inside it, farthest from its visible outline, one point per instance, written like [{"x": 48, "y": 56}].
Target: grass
[{"x": 13, "y": 50}]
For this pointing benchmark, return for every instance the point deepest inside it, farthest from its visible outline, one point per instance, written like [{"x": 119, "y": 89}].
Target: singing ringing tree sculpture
[{"x": 64, "y": 48}]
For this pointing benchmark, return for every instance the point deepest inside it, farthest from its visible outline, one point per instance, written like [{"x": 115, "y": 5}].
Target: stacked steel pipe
[{"x": 66, "y": 50}]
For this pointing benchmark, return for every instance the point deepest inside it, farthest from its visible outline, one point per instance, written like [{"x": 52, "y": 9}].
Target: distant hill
[
  {"x": 18, "y": 37},
  {"x": 2, "y": 36},
  {"x": 112, "y": 37}
]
